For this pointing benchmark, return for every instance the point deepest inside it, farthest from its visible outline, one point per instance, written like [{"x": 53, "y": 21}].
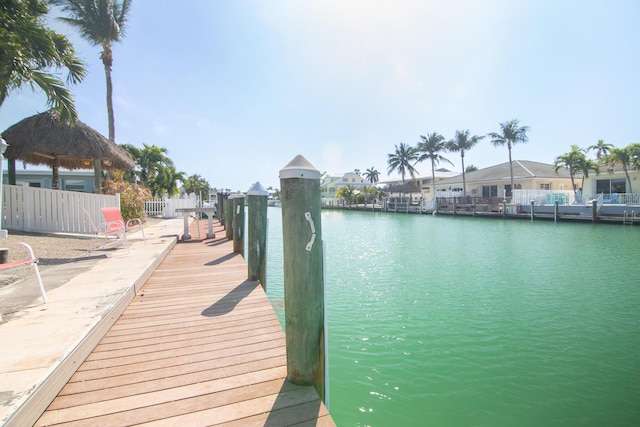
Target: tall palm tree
[
  {"x": 429, "y": 149},
  {"x": 601, "y": 148},
  {"x": 372, "y": 175},
  {"x": 461, "y": 143},
  {"x": 624, "y": 158},
  {"x": 100, "y": 22},
  {"x": 511, "y": 133},
  {"x": 29, "y": 51},
  {"x": 573, "y": 161},
  {"x": 402, "y": 161}
]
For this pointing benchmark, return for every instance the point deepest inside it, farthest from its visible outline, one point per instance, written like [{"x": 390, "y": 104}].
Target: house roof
[
  {"x": 522, "y": 169},
  {"x": 440, "y": 173}
]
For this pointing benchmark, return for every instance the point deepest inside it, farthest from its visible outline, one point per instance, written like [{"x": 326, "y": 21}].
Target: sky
[{"x": 235, "y": 89}]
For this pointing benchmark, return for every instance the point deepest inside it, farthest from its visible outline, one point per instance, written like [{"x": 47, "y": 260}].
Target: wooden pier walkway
[{"x": 199, "y": 345}]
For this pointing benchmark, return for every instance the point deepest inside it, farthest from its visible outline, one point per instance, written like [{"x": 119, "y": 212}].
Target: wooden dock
[{"x": 199, "y": 345}]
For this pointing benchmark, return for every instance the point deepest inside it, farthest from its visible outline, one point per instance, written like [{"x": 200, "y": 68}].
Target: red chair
[{"x": 116, "y": 225}]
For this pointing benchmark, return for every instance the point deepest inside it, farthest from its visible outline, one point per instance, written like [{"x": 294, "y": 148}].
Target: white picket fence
[
  {"x": 166, "y": 208},
  {"x": 48, "y": 211}
]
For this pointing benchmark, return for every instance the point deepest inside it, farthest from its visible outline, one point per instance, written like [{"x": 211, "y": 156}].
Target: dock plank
[{"x": 199, "y": 345}]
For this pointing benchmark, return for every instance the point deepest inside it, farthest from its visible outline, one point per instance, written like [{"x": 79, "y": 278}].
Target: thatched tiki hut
[{"x": 43, "y": 140}]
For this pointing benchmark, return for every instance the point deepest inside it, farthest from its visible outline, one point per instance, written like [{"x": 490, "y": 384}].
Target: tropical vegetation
[
  {"x": 510, "y": 134},
  {"x": 461, "y": 143},
  {"x": 101, "y": 23},
  {"x": 32, "y": 54}
]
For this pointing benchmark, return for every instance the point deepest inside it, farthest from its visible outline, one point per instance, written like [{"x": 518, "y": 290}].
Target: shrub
[{"x": 132, "y": 197}]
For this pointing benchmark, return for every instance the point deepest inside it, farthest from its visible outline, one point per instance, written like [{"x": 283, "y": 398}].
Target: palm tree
[
  {"x": 624, "y": 158},
  {"x": 574, "y": 161},
  {"x": 587, "y": 166},
  {"x": 196, "y": 184},
  {"x": 429, "y": 149},
  {"x": 29, "y": 50},
  {"x": 463, "y": 142},
  {"x": 100, "y": 22},
  {"x": 402, "y": 160},
  {"x": 601, "y": 148},
  {"x": 511, "y": 133},
  {"x": 347, "y": 192},
  {"x": 372, "y": 175}
]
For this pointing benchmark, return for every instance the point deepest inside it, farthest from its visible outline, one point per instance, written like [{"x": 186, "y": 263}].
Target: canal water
[{"x": 442, "y": 321}]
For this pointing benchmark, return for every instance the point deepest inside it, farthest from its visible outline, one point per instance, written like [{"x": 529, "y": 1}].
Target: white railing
[
  {"x": 167, "y": 207},
  {"x": 542, "y": 197},
  {"x": 50, "y": 211},
  {"x": 631, "y": 199}
]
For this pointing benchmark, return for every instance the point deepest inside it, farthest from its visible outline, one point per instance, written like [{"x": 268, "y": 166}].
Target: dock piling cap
[
  {"x": 299, "y": 167},
  {"x": 257, "y": 190}
]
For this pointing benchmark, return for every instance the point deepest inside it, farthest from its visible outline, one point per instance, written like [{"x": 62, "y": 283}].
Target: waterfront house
[
  {"x": 495, "y": 181},
  {"x": 70, "y": 180},
  {"x": 418, "y": 187},
  {"x": 613, "y": 185},
  {"x": 331, "y": 184}
]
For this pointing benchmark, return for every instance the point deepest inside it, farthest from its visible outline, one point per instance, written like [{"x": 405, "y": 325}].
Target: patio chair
[
  {"x": 27, "y": 259},
  {"x": 114, "y": 225}
]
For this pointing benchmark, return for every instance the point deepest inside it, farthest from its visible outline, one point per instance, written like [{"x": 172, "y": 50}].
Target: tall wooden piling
[
  {"x": 228, "y": 222},
  {"x": 238, "y": 223},
  {"x": 594, "y": 211},
  {"x": 257, "y": 234},
  {"x": 555, "y": 211},
  {"x": 220, "y": 207},
  {"x": 303, "y": 274}
]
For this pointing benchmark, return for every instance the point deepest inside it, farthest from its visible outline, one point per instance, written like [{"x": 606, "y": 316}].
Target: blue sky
[{"x": 234, "y": 89}]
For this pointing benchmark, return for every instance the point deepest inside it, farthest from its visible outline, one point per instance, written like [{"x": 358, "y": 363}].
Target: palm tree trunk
[
  {"x": 107, "y": 60},
  {"x": 433, "y": 179},
  {"x": 510, "y": 167},
  {"x": 464, "y": 181},
  {"x": 626, "y": 172}
]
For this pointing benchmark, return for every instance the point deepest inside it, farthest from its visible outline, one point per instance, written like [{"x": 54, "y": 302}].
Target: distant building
[
  {"x": 417, "y": 187},
  {"x": 495, "y": 181},
  {"x": 76, "y": 180},
  {"x": 331, "y": 184}
]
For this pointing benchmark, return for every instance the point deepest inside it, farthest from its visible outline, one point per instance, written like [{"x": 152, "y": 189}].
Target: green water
[{"x": 441, "y": 321}]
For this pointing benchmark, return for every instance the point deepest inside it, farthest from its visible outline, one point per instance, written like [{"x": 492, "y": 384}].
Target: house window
[
  {"x": 74, "y": 185},
  {"x": 609, "y": 186},
  {"x": 545, "y": 187},
  {"x": 489, "y": 191}
]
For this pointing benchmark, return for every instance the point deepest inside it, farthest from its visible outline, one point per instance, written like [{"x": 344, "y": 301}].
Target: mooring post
[
  {"x": 454, "y": 206},
  {"x": 533, "y": 203},
  {"x": 257, "y": 234},
  {"x": 219, "y": 207},
  {"x": 238, "y": 223},
  {"x": 228, "y": 217},
  {"x": 473, "y": 205},
  {"x": 555, "y": 211},
  {"x": 504, "y": 209},
  {"x": 594, "y": 211},
  {"x": 303, "y": 274}
]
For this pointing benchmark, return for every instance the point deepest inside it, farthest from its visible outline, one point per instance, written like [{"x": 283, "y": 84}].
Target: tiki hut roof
[{"x": 43, "y": 140}]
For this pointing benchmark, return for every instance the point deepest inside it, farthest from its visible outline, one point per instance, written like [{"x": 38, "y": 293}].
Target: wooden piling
[
  {"x": 555, "y": 211},
  {"x": 303, "y": 274},
  {"x": 228, "y": 223},
  {"x": 257, "y": 234},
  {"x": 220, "y": 207},
  {"x": 504, "y": 209},
  {"x": 533, "y": 204},
  {"x": 594, "y": 211},
  {"x": 238, "y": 223}
]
